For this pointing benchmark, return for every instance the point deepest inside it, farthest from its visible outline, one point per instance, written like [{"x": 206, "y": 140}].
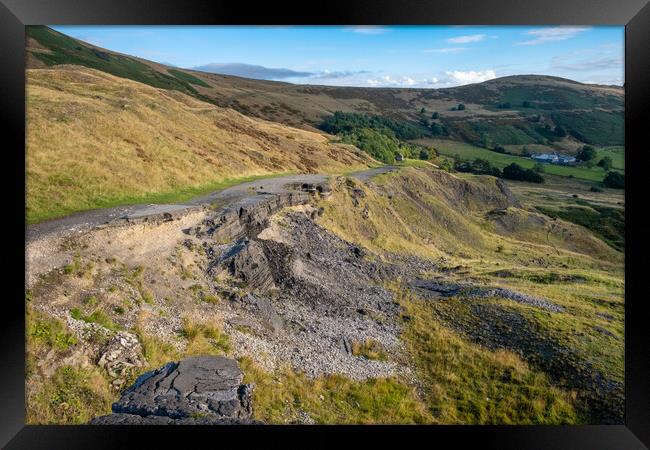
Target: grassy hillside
[
  {"x": 405, "y": 208},
  {"x": 53, "y": 48},
  {"x": 96, "y": 140},
  {"x": 509, "y": 110},
  {"x": 429, "y": 214}
]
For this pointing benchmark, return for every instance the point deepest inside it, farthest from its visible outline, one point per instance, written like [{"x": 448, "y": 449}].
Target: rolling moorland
[{"x": 415, "y": 293}]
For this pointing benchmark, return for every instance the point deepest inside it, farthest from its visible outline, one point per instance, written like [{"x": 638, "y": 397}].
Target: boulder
[{"x": 199, "y": 387}]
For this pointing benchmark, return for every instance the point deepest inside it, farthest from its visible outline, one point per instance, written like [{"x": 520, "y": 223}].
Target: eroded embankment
[{"x": 268, "y": 278}]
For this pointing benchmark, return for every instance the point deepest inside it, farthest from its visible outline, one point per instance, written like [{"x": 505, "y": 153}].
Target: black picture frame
[{"x": 634, "y": 14}]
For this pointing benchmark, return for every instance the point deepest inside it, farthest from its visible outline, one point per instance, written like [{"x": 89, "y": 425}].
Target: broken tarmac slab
[{"x": 206, "y": 387}]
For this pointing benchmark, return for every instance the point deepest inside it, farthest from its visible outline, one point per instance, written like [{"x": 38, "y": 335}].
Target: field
[
  {"x": 468, "y": 152},
  {"x": 617, "y": 154}
]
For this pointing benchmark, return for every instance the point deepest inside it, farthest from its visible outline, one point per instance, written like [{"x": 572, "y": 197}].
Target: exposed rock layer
[{"x": 200, "y": 389}]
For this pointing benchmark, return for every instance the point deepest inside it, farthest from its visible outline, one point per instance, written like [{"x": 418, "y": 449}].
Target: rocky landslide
[{"x": 285, "y": 291}]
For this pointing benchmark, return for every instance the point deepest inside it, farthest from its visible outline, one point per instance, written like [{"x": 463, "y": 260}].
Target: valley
[{"x": 326, "y": 239}]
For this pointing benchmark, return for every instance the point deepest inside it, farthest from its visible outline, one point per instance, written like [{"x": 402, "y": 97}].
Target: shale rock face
[
  {"x": 200, "y": 389},
  {"x": 251, "y": 265}
]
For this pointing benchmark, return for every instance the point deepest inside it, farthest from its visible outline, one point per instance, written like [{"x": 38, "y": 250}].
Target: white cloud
[
  {"x": 252, "y": 71},
  {"x": 388, "y": 81},
  {"x": 452, "y": 50},
  {"x": 615, "y": 62},
  {"x": 544, "y": 35},
  {"x": 367, "y": 29},
  {"x": 408, "y": 81},
  {"x": 444, "y": 79},
  {"x": 604, "y": 80},
  {"x": 467, "y": 39},
  {"x": 335, "y": 75},
  {"x": 458, "y": 77}
]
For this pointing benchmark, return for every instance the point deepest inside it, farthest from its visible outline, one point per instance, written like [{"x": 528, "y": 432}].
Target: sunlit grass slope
[
  {"x": 462, "y": 224},
  {"x": 95, "y": 140}
]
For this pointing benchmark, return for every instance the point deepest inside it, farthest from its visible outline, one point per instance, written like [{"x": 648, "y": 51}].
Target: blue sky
[{"x": 395, "y": 56}]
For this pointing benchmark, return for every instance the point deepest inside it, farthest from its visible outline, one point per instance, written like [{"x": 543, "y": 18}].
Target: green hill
[{"x": 514, "y": 110}]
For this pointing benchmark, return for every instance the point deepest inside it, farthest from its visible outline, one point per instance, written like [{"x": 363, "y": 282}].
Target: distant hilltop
[{"x": 511, "y": 110}]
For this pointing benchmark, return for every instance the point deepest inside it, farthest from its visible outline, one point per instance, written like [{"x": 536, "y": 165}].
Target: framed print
[{"x": 415, "y": 219}]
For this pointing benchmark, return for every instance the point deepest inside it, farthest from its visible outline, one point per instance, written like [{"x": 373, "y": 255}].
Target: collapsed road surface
[
  {"x": 255, "y": 273},
  {"x": 244, "y": 192}
]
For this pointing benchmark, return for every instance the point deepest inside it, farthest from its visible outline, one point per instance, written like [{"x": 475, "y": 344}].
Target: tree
[
  {"x": 478, "y": 166},
  {"x": 381, "y": 146},
  {"x": 500, "y": 149},
  {"x": 605, "y": 163},
  {"x": 424, "y": 154},
  {"x": 539, "y": 168},
  {"x": 526, "y": 104},
  {"x": 436, "y": 129},
  {"x": 435, "y": 115},
  {"x": 560, "y": 131},
  {"x": 461, "y": 107},
  {"x": 447, "y": 165},
  {"x": 344, "y": 123},
  {"x": 423, "y": 111},
  {"x": 533, "y": 177},
  {"x": 515, "y": 172},
  {"x": 525, "y": 151},
  {"x": 587, "y": 153},
  {"x": 614, "y": 180}
]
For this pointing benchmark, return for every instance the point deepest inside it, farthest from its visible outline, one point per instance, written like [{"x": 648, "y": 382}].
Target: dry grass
[
  {"x": 369, "y": 349},
  {"x": 280, "y": 397},
  {"x": 204, "y": 337},
  {"x": 434, "y": 215},
  {"x": 95, "y": 140},
  {"x": 465, "y": 383},
  {"x": 71, "y": 396}
]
